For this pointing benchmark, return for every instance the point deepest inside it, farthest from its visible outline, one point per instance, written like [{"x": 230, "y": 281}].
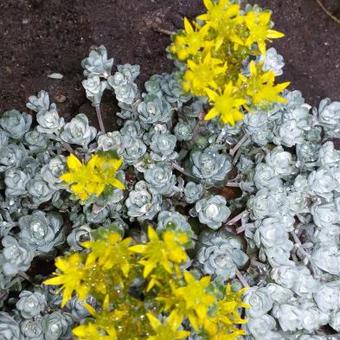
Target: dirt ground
[{"x": 38, "y": 37}]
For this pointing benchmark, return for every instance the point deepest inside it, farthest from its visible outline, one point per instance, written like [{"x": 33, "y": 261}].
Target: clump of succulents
[{"x": 213, "y": 154}]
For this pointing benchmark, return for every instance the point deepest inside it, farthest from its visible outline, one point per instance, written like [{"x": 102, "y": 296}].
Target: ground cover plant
[{"x": 211, "y": 213}]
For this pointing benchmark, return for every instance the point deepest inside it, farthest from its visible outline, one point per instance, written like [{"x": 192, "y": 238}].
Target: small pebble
[
  {"x": 60, "y": 98},
  {"x": 57, "y": 76}
]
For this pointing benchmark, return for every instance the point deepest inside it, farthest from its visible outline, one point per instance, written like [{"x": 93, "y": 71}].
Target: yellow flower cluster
[
  {"x": 214, "y": 48},
  {"x": 144, "y": 292},
  {"x": 94, "y": 177}
]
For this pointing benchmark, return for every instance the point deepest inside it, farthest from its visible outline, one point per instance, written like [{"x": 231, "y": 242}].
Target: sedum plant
[
  {"x": 214, "y": 48},
  {"x": 144, "y": 291},
  {"x": 252, "y": 203}
]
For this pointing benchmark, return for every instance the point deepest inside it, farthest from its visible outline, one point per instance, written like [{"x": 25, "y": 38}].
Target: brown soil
[{"x": 39, "y": 37}]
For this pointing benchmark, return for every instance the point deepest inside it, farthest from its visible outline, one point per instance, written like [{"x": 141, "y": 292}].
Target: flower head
[
  {"x": 109, "y": 251},
  {"x": 71, "y": 272},
  {"x": 192, "y": 300},
  {"x": 260, "y": 86},
  {"x": 165, "y": 252},
  {"x": 258, "y": 24},
  {"x": 168, "y": 329},
  {"x": 203, "y": 74},
  {"x": 93, "y": 177},
  {"x": 225, "y": 19},
  {"x": 226, "y": 105},
  {"x": 190, "y": 41}
]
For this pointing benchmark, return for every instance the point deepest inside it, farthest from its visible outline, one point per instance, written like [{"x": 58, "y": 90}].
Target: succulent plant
[
  {"x": 15, "y": 257},
  {"x": 78, "y": 131},
  {"x": 42, "y": 232},
  {"x": 163, "y": 147},
  {"x": 192, "y": 192},
  {"x": 9, "y": 328},
  {"x": 97, "y": 63},
  {"x": 39, "y": 190},
  {"x": 52, "y": 171},
  {"x": 57, "y": 325},
  {"x": 172, "y": 89},
  {"x": 160, "y": 179},
  {"x": 183, "y": 131},
  {"x": 15, "y": 181},
  {"x": 209, "y": 165},
  {"x": 212, "y": 211},
  {"x": 134, "y": 150},
  {"x": 15, "y": 124},
  {"x": 273, "y": 61},
  {"x": 41, "y": 102},
  {"x": 126, "y": 91},
  {"x": 219, "y": 254},
  {"x": 79, "y": 235},
  {"x": 94, "y": 88},
  {"x": 49, "y": 121},
  {"x": 142, "y": 202},
  {"x": 31, "y": 304},
  {"x": 153, "y": 109},
  {"x": 174, "y": 221},
  {"x": 32, "y": 329}
]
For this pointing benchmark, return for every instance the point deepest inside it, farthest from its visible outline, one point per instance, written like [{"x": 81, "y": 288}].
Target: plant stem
[
  {"x": 177, "y": 167},
  {"x": 100, "y": 119},
  {"x": 236, "y": 218},
  {"x": 68, "y": 147},
  {"x": 163, "y": 31},
  {"x": 232, "y": 184},
  {"x": 334, "y": 18},
  {"x": 299, "y": 245},
  {"x": 241, "y": 229},
  {"x": 233, "y": 151},
  {"x": 241, "y": 278}
]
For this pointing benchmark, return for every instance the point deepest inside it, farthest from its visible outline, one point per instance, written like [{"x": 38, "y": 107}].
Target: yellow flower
[
  {"x": 258, "y": 24},
  {"x": 92, "y": 178},
  {"x": 107, "y": 166},
  {"x": 109, "y": 252},
  {"x": 190, "y": 41},
  {"x": 167, "y": 330},
  {"x": 223, "y": 323},
  {"x": 203, "y": 74},
  {"x": 92, "y": 331},
  {"x": 84, "y": 181},
  {"x": 166, "y": 252},
  {"x": 225, "y": 18},
  {"x": 191, "y": 301},
  {"x": 226, "y": 105},
  {"x": 260, "y": 86},
  {"x": 71, "y": 274}
]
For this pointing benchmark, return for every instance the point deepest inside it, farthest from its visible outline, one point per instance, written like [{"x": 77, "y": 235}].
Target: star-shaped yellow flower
[
  {"x": 167, "y": 330},
  {"x": 258, "y": 24},
  {"x": 70, "y": 275},
  {"x": 93, "y": 177},
  {"x": 190, "y": 41},
  {"x": 166, "y": 252},
  {"x": 260, "y": 86},
  {"x": 226, "y": 106}
]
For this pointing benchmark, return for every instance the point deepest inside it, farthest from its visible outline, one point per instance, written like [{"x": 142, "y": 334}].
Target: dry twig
[{"x": 333, "y": 17}]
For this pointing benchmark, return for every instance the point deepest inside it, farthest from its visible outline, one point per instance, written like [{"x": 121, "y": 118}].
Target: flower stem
[{"x": 100, "y": 119}]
